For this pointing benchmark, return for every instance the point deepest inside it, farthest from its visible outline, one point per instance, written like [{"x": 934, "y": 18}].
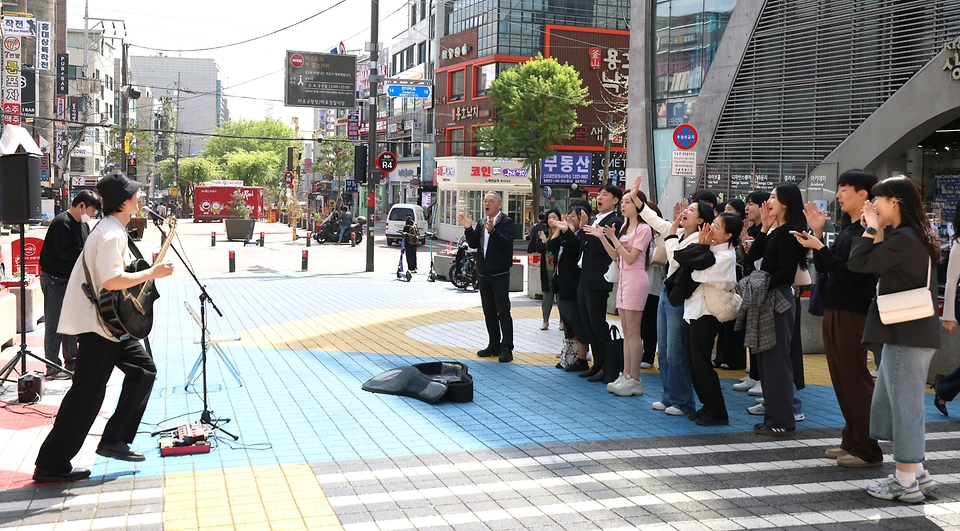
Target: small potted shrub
[{"x": 240, "y": 226}]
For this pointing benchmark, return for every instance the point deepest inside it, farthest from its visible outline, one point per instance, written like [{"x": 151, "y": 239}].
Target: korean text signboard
[
  {"x": 566, "y": 168},
  {"x": 12, "y": 82},
  {"x": 320, "y": 80}
]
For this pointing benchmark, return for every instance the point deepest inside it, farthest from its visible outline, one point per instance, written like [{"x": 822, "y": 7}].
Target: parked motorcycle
[
  {"x": 329, "y": 230},
  {"x": 463, "y": 270}
]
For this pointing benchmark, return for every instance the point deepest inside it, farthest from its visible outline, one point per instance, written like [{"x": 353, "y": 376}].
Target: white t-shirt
[{"x": 107, "y": 255}]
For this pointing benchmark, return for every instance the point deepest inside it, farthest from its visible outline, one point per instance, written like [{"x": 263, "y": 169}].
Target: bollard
[
  {"x": 233, "y": 261},
  {"x": 353, "y": 239},
  {"x": 303, "y": 260},
  {"x": 261, "y": 239},
  {"x": 213, "y": 239},
  {"x": 294, "y": 233},
  {"x": 309, "y": 237}
]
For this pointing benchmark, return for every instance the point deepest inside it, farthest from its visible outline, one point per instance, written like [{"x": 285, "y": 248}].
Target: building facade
[{"x": 92, "y": 100}]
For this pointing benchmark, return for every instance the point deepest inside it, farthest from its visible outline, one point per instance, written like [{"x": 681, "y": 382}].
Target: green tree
[
  {"x": 254, "y": 168},
  {"x": 142, "y": 148},
  {"x": 194, "y": 171},
  {"x": 536, "y": 104},
  {"x": 333, "y": 159},
  {"x": 252, "y": 136}
]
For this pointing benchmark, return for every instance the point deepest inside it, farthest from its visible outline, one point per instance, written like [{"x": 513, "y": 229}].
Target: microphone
[{"x": 151, "y": 211}]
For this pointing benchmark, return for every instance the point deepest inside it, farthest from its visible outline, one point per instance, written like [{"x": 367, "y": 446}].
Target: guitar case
[{"x": 429, "y": 382}]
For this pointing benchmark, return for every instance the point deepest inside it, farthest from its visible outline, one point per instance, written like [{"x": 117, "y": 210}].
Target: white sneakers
[
  {"x": 625, "y": 385},
  {"x": 659, "y": 406},
  {"x": 645, "y": 365},
  {"x": 675, "y": 411},
  {"x": 746, "y": 385},
  {"x": 756, "y": 390},
  {"x": 758, "y": 409}
]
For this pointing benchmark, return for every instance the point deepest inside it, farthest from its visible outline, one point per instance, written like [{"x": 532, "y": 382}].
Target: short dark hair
[
  {"x": 545, "y": 215},
  {"x": 705, "y": 195},
  {"x": 89, "y": 198},
  {"x": 859, "y": 180},
  {"x": 542, "y": 216},
  {"x": 585, "y": 205},
  {"x": 706, "y": 212},
  {"x": 343, "y": 208},
  {"x": 758, "y": 197},
  {"x": 614, "y": 190}
]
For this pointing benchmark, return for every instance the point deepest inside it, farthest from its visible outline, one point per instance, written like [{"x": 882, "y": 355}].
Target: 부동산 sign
[
  {"x": 320, "y": 80},
  {"x": 566, "y": 168}
]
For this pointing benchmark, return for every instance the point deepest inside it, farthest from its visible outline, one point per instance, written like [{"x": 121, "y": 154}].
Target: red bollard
[
  {"x": 155, "y": 257},
  {"x": 233, "y": 261},
  {"x": 353, "y": 239},
  {"x": 309, "y": 237},
  {"x": 303, "y": 261},
  {"x": 261, "y": 239},
  {"x": 213, "y": 239}
]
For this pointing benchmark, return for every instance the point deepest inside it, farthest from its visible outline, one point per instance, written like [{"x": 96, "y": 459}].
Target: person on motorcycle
[
  {"x": 346, "y": 219},
  {"x": 411, "y": 235}
]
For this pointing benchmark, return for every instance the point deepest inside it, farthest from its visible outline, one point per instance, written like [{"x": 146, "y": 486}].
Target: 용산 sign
[{"x": 320, "y": 80}]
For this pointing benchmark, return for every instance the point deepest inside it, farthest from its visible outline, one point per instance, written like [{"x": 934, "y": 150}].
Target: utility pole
[
  {"x": 294, "y": 208},
  {"x": 372, "y": 170},
  {"x": 124, "y": 106},
  {"x": 176, "y": 144}
]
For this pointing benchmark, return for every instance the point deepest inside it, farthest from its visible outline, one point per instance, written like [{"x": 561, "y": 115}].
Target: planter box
[
  {"x": 516, "y": 277},
  {"x": 34, "y": 305},
  {"x": 534, "y": 289},
  {"x": 8, "y": 318},
  {"x": 239, "y": 229},
  {"x": 138, "y": 224},
  {"x": 441, "y": 264}
]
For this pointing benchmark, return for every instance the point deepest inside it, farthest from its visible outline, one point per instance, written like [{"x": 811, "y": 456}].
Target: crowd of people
[{"x": 719, "y": 284}]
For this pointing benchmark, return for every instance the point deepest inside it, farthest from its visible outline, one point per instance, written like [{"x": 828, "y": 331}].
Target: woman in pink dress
[{"x": 630, "y": 248}]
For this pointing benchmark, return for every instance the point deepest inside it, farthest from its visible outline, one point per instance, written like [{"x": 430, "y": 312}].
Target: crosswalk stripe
[
  {"x": 111, "y": 522},
  {"x": 80, "y": 500},
  {"x": 629, "y": 475},
  {"x": 503, "y": 464},
  {"x": 780, "y": 520}
]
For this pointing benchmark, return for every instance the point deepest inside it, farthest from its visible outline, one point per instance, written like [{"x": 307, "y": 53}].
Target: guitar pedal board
[{"x": 185, "y": 440}]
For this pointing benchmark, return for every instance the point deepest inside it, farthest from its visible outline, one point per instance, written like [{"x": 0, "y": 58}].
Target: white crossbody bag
[{"x": 909, "y": 305}]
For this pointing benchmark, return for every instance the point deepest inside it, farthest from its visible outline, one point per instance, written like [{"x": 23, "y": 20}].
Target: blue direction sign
[{"x": 408, "y": 91}]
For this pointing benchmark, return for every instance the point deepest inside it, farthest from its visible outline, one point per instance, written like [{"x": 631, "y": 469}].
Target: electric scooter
[
  {"x": 401, "y": 275},
  {"x": 432, "y": 276}
]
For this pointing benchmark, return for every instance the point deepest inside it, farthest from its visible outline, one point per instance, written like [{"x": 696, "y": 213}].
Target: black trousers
[
  {"x": 648, "y": 328},
  {"x": 411, "y": 252},
  {"x": 706, "y": 383},
  {"x": 730, "y": 349},
  {"x": 776, "y": 371},
  {"x": 593, "y": 310},
  {"x": 495, "y": 300},
  {"x": 96, "y": 358},
  {"x": 573, "y": 325}
]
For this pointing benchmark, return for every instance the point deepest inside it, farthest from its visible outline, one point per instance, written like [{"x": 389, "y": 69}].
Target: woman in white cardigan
[{"x": 712, "y": 263}]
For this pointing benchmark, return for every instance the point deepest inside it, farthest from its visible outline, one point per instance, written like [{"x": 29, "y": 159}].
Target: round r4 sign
[{"x": 386, "y": 162}]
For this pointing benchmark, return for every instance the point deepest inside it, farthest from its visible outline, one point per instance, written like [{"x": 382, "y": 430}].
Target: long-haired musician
[{"x": 102, "y": 265}]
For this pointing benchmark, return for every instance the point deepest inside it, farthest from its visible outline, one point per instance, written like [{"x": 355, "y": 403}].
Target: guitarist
[{"x": 106, "y": 255}]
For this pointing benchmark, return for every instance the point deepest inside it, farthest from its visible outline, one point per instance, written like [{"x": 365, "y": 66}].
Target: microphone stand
[{"x": 207, "y": 416}]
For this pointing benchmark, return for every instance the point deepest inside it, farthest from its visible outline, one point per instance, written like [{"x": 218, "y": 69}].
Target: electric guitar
[{"x": 131, "y": 310}]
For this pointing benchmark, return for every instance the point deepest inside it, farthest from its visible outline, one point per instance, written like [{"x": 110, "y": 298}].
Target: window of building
[
  {"x": 423, "y": 9},
  {"x": 485, "y": 76},
  {"x": 409, "y": 53},
  {"x": 421, "y": 53},
  {"x": 455, "y": 141},
  {"x": 78, "y": 164},
  {"x": 457, "y": 83},
  {"x": 396, "y": 63}
]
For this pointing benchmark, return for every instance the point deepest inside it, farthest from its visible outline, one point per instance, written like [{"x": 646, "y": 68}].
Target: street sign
[
  {"x": 320, "y": 80},
  {"x": 685, "y": 136},
  {"x": 684, "y": 164},
  {"x": 386, "y": 162},
  {"x": 408, "y": 91}
]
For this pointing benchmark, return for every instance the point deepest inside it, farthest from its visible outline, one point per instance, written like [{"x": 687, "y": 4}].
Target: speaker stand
[{"x": 21, "y": 356}]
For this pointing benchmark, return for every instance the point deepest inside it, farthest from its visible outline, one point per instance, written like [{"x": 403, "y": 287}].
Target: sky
[{"x": 253, "y": 72}]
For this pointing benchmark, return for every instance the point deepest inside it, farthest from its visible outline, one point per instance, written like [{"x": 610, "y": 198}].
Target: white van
[{"x": 397, "y": 218}]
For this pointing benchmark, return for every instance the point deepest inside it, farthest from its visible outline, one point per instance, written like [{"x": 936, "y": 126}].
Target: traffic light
[
  {"x": 360, "y": 165},
  {"x": 132, "y": 167}
]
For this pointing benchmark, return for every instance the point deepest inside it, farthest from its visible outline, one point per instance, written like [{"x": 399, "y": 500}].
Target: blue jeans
[
  {"x": 342, "y": 230},
  {"x": 897, "y": 412},
  {"x": 672, "y": 348}
]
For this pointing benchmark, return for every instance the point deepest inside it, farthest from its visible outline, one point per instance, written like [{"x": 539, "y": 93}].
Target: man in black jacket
[
  {"x": 594, "y": 290},
  {"x": 494, "y": 242},
  {"x": 848, "y": 298},
  {"x": 61, "y": 247}
]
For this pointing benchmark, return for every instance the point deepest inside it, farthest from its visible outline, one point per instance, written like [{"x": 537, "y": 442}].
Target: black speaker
[{"x": 20, "y": 188}]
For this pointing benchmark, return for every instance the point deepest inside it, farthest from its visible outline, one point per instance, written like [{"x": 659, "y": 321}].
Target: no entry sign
[{"x": 685, "y": 136}]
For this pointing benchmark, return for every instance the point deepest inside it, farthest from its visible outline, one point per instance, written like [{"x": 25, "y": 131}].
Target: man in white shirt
[
  {"x": 104, "y": 260},
  {"x": 494, "y": 241}
]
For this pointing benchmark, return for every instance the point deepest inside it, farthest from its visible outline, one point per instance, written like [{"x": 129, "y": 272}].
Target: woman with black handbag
[{"x": 898, "y": 245}]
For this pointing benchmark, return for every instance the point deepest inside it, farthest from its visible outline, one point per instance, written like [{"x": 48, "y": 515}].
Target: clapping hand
[
  {"x": 869, "y": 216},
  {"x": 464, "y": 220},
  {"x": 543, "y": 237},
  {"x": 560, "y": 225},
  {"x": 678, "y": 208},
  {"x": 706, "y": 234},
  {"x": 610, "y": 232},
  {"x": 593, "y": 231},
  {"x": 490, "y": 224}
]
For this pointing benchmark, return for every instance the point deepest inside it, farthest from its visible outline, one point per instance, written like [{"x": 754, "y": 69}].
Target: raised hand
[
  {"x": 610, "y": 232},
  {"x": 766, "y": 218},
  {"x": 593, "y": 231},
  {"x": 559, "y": 225},
  {"x": 870, "y": 217},
  {"x": 706, "y": 234},
  {"x": 816, "y": 218},
  {"x": 490, "y": 224},
  {"x": 464, "y": 220},
  {"x": 636, "y": 185}
]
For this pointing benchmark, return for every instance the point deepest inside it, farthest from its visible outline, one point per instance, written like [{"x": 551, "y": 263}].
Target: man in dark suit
[
  {"x": 494, "y": 241},
  {"x": 594, "y": 290}
]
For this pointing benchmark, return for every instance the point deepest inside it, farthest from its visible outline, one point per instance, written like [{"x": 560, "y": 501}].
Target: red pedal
[{"x": 188, "y": 439}]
